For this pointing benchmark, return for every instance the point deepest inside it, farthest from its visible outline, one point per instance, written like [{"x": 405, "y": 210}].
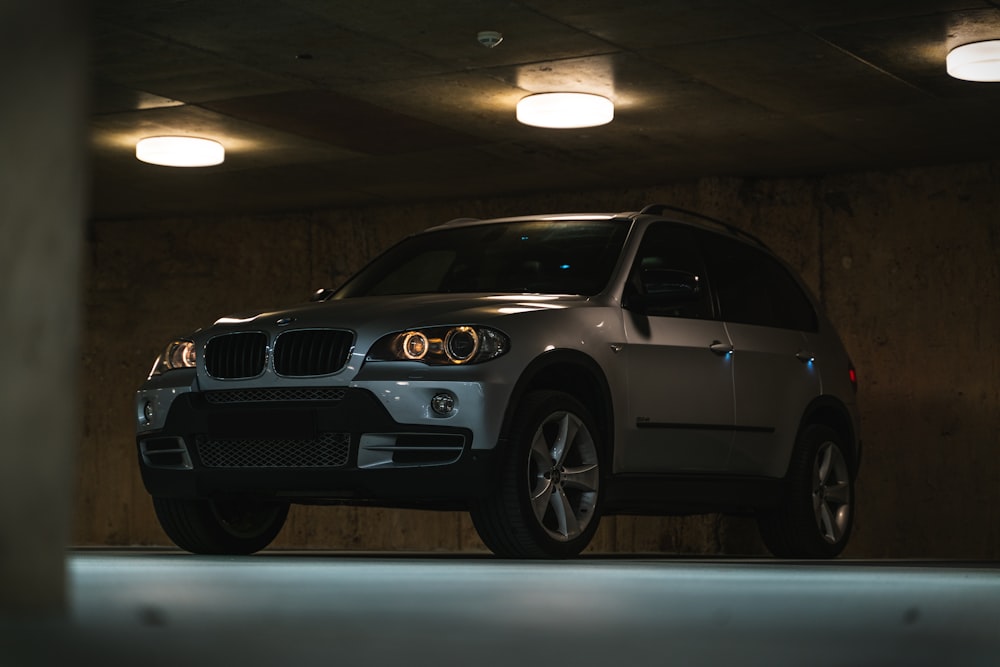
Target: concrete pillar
[{"x": 43, "y": 84}]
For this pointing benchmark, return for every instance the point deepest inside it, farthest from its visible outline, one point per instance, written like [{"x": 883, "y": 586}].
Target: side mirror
[{"x": 664, "y": 288}]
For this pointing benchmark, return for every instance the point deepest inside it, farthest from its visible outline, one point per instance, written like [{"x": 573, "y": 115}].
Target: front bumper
[{"x": 340, "y": 445}]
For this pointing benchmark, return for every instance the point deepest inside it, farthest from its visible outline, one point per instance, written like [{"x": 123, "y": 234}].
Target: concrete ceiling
[{"x": 321, "y": 103}]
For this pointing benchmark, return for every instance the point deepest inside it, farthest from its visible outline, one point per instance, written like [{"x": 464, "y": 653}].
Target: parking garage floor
[{"x": 131, "y": 607}]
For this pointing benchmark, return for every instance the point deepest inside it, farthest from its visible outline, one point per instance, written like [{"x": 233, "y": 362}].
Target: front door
[{"x": 680, "y": 392}]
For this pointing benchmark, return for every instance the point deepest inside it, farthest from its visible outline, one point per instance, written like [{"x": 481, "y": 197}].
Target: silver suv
[{"x": 538, "y": 372}]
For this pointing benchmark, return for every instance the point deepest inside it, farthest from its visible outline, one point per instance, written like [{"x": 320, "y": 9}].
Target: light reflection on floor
[{"x": 297, "y": 608}]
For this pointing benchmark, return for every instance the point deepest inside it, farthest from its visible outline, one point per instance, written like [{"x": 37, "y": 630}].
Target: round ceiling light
[
  {"x": 180, "y": 151},
  {"x": 978, "y": 61},
  {"x": 565, "y": 110}
]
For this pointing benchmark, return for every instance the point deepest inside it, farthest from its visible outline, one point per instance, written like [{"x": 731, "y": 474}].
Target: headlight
[
  {"x": 178, "y": 354},
  {"x": 441, "y": 346}
]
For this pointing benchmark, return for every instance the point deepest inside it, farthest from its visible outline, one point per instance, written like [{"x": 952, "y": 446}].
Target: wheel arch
[
  {"x": 832, "y": 412},
  {"x": 574, "y": 373}
]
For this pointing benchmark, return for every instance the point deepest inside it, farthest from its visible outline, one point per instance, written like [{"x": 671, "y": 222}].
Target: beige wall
[{"x": 906, "y": 263}]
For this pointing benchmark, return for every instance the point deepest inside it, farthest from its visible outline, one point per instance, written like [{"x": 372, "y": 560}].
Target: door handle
[
  {"x": 721, "y": 348},
  {"x": 805, "y": 356}
]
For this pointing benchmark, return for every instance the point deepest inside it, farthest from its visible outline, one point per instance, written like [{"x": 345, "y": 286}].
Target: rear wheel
[
  {"x": 815, "y": 517},
  {"x": 548, "y": 502},
  {"x": 231, "y": 526}
]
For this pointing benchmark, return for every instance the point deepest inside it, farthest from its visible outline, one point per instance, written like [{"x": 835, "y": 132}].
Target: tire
[
  {"x": 816, "y": 514},
  {"x": 548, "y": 501},
  {"x": 233, "y": 527}
]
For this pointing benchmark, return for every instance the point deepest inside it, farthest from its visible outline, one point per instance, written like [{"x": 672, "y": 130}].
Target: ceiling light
[
  {"x": 978, "y": 61},
  {"x": 180, "y": 151},
  {"x": 565, "y": 110}
]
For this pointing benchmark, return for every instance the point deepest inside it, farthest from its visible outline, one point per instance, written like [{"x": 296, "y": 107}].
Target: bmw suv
[{"x": 538, "y": 372}]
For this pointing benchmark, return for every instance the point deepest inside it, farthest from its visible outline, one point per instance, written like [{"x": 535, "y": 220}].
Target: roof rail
[
  {"x": 455, "y": 221},
  {"x": 659, "y": 209}
]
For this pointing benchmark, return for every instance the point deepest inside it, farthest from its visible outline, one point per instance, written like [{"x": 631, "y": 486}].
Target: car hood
[{"x": 390, "y": 313}]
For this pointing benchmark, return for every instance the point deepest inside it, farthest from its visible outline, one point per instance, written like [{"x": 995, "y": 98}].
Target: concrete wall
[
  {"x": 906, "y": 263},
  {"x": 42, "y": 211}
]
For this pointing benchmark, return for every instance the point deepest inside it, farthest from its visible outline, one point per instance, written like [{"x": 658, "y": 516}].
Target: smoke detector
[{"x": 489, "y": 38}]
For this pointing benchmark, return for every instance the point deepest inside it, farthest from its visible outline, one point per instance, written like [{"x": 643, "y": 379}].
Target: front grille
[
  {"x": 311, "y": 352},
  {"x": 236, "y": 355},
  {"x": 270, "y": 395},
  {"x": 329, "y": 450}
]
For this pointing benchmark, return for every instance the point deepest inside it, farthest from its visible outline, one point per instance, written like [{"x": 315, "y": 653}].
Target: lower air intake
[
  {"x": 330, "y": 450},
  {"x": 270, "y": 395}
]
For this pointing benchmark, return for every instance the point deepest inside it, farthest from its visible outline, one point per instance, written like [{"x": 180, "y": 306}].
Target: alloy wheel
[
  {"x": 563, "y": 476},
  {"x": 831, "y": 492}
]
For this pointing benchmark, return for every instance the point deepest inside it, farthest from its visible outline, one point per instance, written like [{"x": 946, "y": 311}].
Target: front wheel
[
  {"x": 816, "y": 514},
  {"x": 548, "y": 503},
  {"x": 231, "y": 526}
]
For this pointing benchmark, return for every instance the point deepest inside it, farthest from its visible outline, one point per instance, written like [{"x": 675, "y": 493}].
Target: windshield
[{"x": 537, "y": 256}]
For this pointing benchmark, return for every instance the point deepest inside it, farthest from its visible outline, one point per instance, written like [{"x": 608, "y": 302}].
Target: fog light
[
  {"x": 443, "y": 404},
  {"x": 147, "y": 412}
]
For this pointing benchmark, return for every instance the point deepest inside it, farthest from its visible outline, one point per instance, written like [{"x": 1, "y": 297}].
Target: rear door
[{"x": 774, "y": 374}]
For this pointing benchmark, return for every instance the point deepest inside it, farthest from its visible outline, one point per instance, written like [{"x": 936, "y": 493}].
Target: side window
[
  {"x": 668, "y": 248},
  {"x": 754, "y": 288}
]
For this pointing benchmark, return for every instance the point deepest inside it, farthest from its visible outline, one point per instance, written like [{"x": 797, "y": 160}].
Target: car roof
[
  {"x": 553, "y": 217},
  {"x": 657, "y": 211}
]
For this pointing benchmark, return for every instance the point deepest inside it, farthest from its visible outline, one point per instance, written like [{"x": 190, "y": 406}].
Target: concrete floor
[{"x": 316, "y": 608}]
